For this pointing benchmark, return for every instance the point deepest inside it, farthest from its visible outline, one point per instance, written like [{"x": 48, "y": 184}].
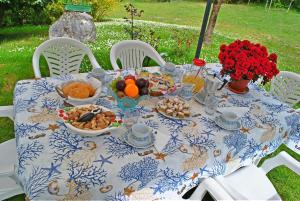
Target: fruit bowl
[
  {"x": 128, "y": 91},
  {"x": 126, "y": 103}
]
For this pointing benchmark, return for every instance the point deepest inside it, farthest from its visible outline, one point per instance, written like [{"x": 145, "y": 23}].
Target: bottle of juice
[{"x": 195, "y": 74}]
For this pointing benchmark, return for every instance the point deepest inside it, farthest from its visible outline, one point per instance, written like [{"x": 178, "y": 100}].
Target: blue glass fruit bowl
[{"x": 127, "y": 103}]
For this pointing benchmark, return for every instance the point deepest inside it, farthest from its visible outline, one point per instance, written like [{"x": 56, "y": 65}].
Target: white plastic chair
[
  {"x": 132, "y": 54},
  {"x": 7, "y": 111},
  {"x": 63, "y": 55},
  {"x": 209, "y": 185},
  {"x": 9, "y": 185},
  {"x": 286, "y": 87},
  {"x": 251, "y": 182}
]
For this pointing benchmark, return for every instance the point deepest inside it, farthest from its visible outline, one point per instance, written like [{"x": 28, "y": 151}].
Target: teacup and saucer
[
  {"x": 169, "y": 68},
  {"x": 139, "y": 136},
  {"x": 98, "y": 73},
  {"x": 228, "y": 121}
]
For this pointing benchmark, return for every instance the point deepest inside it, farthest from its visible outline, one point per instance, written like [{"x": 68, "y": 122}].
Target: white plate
[
  {"x": 172, "y": 117},
  {"x": 219, "y": 122},
  {"x": 128, "y": 140},
  {"x": 88, "y": 133}
]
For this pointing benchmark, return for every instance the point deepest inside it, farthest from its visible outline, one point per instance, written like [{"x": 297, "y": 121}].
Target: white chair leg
[
  {"x": 7, "y": 111},
  {"x": 7, "y": 164},
  {"x": 9, "y": 188},
  {"x": 6, "y": 171},
  {"x": 213, "y": 188},
  {"x": 256, "y": 161},
  {"x": 282, "y": 158}
]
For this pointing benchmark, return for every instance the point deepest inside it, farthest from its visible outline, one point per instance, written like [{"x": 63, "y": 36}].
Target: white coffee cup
[
  {"x": 229, "y": 117},
  {"x": 98, "y": 73},
  {"x": 140, "y": 133},
  {"x": 170, "y": 67}
]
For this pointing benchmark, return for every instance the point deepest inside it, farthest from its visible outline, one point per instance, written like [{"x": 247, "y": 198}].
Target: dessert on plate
[{"x": 174, "y": 107}]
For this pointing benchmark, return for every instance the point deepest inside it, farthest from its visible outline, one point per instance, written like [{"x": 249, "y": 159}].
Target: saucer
[
  {"x": 132, "y": 143},
  {"x": 232, "y": 127}
]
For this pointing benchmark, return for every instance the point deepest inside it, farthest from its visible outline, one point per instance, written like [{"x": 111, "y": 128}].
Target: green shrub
[
  {"x": 18, "y": 12},
  {"x": 101, "y": 8},
  {"x": 54, "y": 10}
]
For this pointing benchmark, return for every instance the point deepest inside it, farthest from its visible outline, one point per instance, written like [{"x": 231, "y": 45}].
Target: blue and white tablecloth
[{"x": 54, "y": 163}]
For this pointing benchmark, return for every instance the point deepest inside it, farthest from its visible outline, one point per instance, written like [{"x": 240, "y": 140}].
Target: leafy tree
[
  {"x": 3, "y": 5},
  {"x": 18, "y": 12}
]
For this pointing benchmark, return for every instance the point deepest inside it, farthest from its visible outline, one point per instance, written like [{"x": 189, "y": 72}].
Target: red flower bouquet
[{"x": 243, "y": 60}]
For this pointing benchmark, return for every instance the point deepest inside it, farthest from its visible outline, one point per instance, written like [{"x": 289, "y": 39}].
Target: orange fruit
[
  {"x": 129, "y": 81},
  {"x": 131, "y": 90}
]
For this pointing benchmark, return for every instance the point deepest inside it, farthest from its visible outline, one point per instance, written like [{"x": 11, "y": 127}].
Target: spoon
[
  {"x": 61, "y": 93},
  {"x": 89, "y": 116}
]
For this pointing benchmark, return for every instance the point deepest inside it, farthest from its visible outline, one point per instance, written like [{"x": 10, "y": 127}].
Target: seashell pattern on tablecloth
[{"x": 56, "y": 164}]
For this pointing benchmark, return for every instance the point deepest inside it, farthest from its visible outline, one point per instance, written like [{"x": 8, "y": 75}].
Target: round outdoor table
[{"x": 55, "y": 164}]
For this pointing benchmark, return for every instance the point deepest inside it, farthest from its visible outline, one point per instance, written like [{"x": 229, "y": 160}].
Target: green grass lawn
[
  {"x": 17, "y": 45},
  {"x": 277, "y": 29}
]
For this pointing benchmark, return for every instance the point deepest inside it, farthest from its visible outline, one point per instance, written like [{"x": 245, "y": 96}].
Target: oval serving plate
[
  {"x": 172, "y": 117},
  {"x": 62, "y": 113}
]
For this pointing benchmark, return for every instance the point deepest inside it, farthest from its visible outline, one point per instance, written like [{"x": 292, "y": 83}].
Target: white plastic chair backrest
[
  {"x": 63, "y": 56},
  {"x": 132, "y": 54},
  {"x": 286, "y": 87}
]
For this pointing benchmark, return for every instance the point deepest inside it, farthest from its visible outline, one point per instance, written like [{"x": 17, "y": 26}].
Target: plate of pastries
[{"x": 174, "y": 107}]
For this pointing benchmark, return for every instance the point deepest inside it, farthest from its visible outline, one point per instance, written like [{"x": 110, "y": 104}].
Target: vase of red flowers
[{"x": 244, "y": 61}]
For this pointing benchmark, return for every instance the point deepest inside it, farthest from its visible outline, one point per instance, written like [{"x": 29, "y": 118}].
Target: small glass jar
[
  {"x": 130, "y": 117},
  {"x": 195, "y": 74},
  {"x": 211, "y": 104},
  {"x": 186, "y": 91}
]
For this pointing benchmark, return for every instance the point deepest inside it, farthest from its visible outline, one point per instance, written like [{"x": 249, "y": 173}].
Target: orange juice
[{"x": 196, "y": 80}]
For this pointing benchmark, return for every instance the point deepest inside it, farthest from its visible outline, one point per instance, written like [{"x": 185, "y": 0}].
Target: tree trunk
[
  {"x": 290, "y": 5},
  {"x": 212, "y": 21},
  {"x": 270, "y": 4}
]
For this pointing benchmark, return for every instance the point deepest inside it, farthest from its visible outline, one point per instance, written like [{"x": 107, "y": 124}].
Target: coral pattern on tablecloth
[{"x": 54, "y": 163}]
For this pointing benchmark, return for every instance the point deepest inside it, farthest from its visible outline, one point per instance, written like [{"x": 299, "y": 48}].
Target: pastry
[
  {"x": 174, "y": 107},
  {"x": 78, "y": 89}
]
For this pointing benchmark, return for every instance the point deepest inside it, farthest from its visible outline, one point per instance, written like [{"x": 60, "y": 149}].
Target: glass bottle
[{"x": 195, "y": 74}]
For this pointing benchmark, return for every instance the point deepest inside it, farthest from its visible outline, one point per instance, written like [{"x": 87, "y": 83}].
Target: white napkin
[
  {"x": 161, "y": 139},
  {"x": 239, "y": 111}
]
